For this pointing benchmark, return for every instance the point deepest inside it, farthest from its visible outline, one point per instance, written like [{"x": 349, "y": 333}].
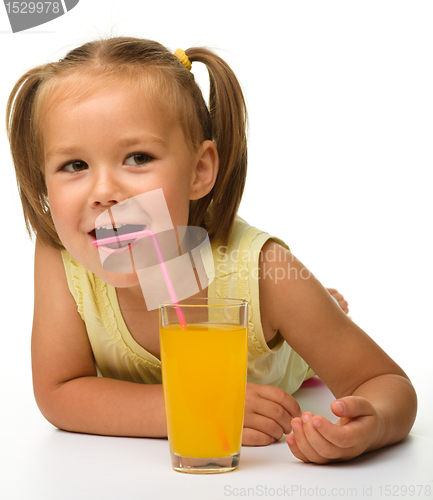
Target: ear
[{"x": 205, "y": 172}]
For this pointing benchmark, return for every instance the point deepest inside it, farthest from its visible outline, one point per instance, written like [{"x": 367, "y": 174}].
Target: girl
[{"x": 120, "y": 117}]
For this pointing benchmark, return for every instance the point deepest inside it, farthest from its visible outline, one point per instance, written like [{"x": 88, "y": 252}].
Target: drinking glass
[{"x": 204, "y": 347}]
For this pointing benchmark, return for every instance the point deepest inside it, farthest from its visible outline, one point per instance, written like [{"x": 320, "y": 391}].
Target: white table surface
[{"x": 41, "y": 462}]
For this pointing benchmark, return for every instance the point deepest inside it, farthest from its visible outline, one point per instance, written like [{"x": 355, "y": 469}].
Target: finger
[
  {"x": 277, "y": 413},
  {"x": 339, "y": 299},
  {"x": 344, "y": 305},
  {"x": 337, "y": 296},
  {"x": 329, "y": 441},
  {"x": 341, "y": 436},
  {"x": 291, "y": 441},
  {"x": 281, "y": 397},
  {"x": 303, "y": 443},
  {"x": 254, "y": 437},
  {"x": 352, "y": 406},
  {"x": 265, "y": 425}
]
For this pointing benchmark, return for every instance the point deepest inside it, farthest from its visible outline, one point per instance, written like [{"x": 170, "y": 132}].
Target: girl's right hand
[{"x": 268, "y": 414}]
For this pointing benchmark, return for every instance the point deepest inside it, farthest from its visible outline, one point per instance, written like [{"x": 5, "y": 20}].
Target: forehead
[
  {"x": 151, "y": 87},
  {"x": 105, "y": 121},
  {"x": 75, "y": 109},
  {"x": 71, "y": 91}
]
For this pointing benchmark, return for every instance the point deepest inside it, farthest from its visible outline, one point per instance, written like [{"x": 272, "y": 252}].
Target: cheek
[
  {"x": 178, "y": 205},
  {"x": 62, "y": 212},
  {"x": 57, "y": 207},
  {"x": 56, "y": 212},
  {"x": 54, "y": 197},
  {"x": 176, "y": 200}
]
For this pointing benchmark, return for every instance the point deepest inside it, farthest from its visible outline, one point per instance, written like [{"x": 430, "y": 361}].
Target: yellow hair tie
[{"x": 183, "y": 58}]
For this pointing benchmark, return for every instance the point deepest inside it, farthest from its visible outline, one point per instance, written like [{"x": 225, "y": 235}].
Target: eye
[
  {"x": 138, "y": 159},
  {"x": 75, "y": 166}
]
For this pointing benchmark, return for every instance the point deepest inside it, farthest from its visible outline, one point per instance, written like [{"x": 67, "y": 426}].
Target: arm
[
  {"x": 379, "y": 400},
  {"x": 269, "y": 410},
  {"x": 67, "y": 389}
]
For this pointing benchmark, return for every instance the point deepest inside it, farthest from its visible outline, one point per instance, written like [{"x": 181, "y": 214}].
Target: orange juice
[{"x": 204, "y": 377}]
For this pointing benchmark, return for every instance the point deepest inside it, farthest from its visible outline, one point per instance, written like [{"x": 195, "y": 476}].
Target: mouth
[{"x": 108, "y": 231}]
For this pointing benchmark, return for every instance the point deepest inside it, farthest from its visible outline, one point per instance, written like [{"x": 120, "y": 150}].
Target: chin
[{"x": 121, "y": 280}]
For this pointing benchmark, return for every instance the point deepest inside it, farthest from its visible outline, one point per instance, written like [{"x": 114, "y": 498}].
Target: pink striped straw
[{"x": 160, "y": 257}]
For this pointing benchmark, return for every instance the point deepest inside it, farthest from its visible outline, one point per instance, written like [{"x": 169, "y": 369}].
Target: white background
[{"x": 340, "y": 103}]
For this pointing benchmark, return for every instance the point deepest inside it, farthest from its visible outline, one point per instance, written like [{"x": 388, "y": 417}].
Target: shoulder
[
  {"x": 279, "y": 271},
  {"x": 247, "y": 238},
  {"x": 50, "y": 275},
  {"x": 48, "y": 261},
  {"x": 57, "y": 277},
  {"x": 52, "y": 266},
  {"x": 256, "y": 254},
  {"x": 289, "y": 292},
  {"x": 54, "y": 303}
]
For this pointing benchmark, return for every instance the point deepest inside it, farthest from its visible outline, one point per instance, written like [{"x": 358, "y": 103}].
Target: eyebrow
[
  {"x": 62, "y": 152},
  {"x": 136, "y": 141},
  {"x": 123, "y": 143}
]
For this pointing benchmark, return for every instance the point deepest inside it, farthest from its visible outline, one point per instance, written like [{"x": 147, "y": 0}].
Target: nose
[{"x": 106, "y": 190}]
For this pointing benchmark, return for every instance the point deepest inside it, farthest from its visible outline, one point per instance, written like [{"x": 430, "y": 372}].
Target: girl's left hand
[
  {"x": 316, "y": 439},
  {"x": 341, "y": 301}
]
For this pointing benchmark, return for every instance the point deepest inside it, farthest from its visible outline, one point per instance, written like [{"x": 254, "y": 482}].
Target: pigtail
[
  {"x": 23, "y": 142},
  {"x": 229, "y": 128}
]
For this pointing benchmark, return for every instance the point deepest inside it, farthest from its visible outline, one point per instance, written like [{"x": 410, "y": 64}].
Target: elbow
[
  {"x": 50, "y": 405},
  {"x": 49, "y": 412}
]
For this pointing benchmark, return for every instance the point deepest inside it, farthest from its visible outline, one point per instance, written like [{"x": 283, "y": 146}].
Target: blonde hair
[{"x": 136, "y": 61}]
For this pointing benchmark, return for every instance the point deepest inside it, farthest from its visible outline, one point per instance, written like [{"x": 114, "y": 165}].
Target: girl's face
[{"x": 104, "y": 149}]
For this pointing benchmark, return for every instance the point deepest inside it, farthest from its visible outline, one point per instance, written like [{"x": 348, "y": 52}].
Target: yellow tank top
[{"x": 118, "y": 355}]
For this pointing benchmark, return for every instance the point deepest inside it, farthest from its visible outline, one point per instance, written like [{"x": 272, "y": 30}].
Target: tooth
[{"x": 110, "y": 226}]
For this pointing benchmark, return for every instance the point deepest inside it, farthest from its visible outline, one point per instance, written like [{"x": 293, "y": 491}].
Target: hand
[
  {"x": 268, "y": 414},
  {"x": 339, "y": 299},
  {"x": 316, "y": 439}
]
